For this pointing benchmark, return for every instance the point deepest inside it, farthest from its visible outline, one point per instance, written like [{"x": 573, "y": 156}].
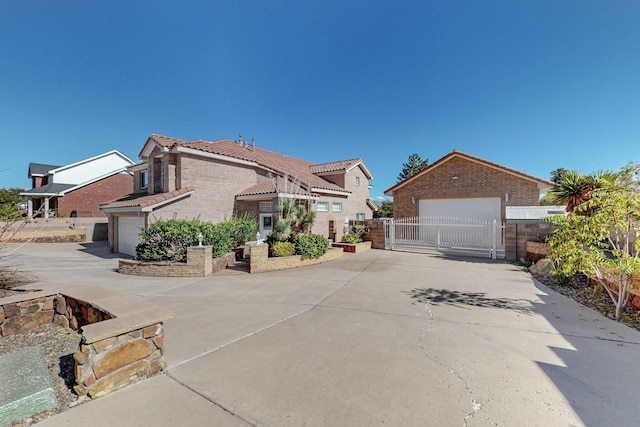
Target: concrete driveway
[{"x": 377, "y": 338}]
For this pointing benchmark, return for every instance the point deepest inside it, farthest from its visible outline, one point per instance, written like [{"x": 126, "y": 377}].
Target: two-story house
[{"x": 215, "y": 180}]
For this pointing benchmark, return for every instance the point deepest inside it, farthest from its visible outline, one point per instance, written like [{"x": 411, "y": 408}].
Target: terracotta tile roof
[
  {"x": 260, "y": 188},
  {"x": 277, "y": 162},
  {"x": 335, "y": 166},
  {"x": 144, "y": 200}
]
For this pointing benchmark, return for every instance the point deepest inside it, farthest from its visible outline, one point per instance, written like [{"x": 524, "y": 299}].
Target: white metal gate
[{"x": 462, "y": 236}]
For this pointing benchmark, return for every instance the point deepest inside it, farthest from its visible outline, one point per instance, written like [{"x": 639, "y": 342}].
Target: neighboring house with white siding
[{"x": 78, "y": 189}]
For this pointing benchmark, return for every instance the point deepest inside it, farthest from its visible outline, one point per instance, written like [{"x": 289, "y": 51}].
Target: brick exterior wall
[
  {"x": 518, "y": 233},
  {"x": 351, "y": 206},
  {"x": 86, "y": 200},
  {"x": 216, "y": 185},
  {"x": 474, "y": 181}
]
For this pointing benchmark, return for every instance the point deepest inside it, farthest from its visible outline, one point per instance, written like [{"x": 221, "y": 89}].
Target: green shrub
[
  {"x": 243, "y": 228},
  {"x": 169, "y": 240},
  {"x": 283, "y": 249},
  {"x": 350, "y": 238},
  {"x": 311, "y": 245}
]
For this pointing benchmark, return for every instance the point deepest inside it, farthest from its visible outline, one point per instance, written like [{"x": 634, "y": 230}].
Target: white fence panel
[{"x": 447, "y": 234}]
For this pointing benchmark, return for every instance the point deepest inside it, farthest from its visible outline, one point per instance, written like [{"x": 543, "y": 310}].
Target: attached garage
[
  {"x": 129, "y": 234},
  {"x": 127, "y": 216},
  {"x": 485, "y": 208}
]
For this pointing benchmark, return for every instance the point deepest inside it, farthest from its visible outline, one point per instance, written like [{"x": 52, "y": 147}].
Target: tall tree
[
  {"x": 385, "y": 210},
  {"x": 414, "y": 164},
  {"x": 556, "y": 175}
]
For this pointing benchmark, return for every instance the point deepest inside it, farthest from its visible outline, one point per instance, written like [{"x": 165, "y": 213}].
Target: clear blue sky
[{"x": 533, "y": 85}]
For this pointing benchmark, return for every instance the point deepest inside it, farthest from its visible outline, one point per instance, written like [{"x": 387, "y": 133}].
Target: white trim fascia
[
  {"x": 72, "y": 165},
  {"x": 138, "y": 167},
  {"x": 166, "y": 202},
  {"x": 325, "y": 191},
  {"x": 40, "y": 194},
  {"x": 278, "y": 195},
  {"x": 364, "y": 169},
  {"x": 144, "y": 153},
  {"x": 257, "y": 196},
  {"x": 298, "y": 196},
  {"x": 135, "y": 209}
]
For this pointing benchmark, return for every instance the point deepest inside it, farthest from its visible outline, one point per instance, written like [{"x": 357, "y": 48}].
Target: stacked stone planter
[{"x": 122, "y": 338}]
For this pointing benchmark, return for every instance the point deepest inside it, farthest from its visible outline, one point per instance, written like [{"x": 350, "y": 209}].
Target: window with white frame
[
  {"x": 336, "y": 207},
  {"x": 359, "y": 217},
  {"x": 323, "y": 207},
  {"x": 266, "y": 206},
  {"x": 357, "y": 180}
]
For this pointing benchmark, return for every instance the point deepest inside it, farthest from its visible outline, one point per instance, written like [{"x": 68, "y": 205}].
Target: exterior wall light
[{"x": 413, "y": 200}]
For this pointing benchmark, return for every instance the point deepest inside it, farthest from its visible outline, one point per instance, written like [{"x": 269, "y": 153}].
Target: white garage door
[
  {"x": 486, "y": 208},
  {"x": 129, "y": 234}
]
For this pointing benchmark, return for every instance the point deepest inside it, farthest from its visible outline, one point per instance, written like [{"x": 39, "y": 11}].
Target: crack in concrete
[
  {"x": 475, "y": 405},
  {"x": 208, "y": 399}
]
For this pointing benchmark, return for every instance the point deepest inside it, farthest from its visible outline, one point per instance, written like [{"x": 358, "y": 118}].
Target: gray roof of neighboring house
[
  {"x": 50, "y": 189},
  {"x": 39, "y": 169},
  {"x": 533, "y": 212}
]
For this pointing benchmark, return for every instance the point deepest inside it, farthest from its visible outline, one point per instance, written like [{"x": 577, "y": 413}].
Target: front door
[{"x": 266, "y": 225}]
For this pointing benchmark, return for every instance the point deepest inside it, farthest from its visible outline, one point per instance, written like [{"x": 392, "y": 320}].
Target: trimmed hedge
[
  {"x": 280, "y": 249},
  {"x": 311, "y": 245},
  {"x": 169, "y": 240}
]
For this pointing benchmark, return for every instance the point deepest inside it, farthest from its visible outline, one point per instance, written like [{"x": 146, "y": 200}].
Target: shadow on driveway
[{"x": 461, "y": 299}]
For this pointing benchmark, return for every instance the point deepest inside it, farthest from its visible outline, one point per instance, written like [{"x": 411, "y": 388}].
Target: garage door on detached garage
[
  {"x": 485, "y": 208},
  {"x": 129, "y": 234}
]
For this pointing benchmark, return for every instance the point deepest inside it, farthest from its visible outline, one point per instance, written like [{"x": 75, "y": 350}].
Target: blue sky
[{"x": 533, "y": 85}]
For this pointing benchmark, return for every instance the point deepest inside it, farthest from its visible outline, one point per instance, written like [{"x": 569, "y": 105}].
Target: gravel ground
[{"x": 57, "y": 345}]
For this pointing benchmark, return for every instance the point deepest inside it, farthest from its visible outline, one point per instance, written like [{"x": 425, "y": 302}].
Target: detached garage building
[{"x": 460, "y": 185}]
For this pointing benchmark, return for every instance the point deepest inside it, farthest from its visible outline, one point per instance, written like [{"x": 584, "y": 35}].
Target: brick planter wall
[
  {"x": 199, "y": 264},
  {"x": 260, "y": 260}
]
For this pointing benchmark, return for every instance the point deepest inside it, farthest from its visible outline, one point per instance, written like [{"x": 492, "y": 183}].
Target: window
[
  {"x": 336, "y": 207},
  {"x": 144, "y": 179},
  {"x": 357, "y": 180},
  {"x": 359, "y": 217},
  {"x": 266, "y": 207},
  {"x": 323, "y": 207}
]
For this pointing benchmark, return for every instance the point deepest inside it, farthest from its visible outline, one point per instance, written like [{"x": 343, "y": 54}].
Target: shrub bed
[{"x": 169, "y": 240}]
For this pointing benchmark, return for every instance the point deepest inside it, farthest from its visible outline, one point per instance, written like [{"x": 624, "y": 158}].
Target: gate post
[
  {"x": 389, "y": 235},
  {"x": 494, "y": 238}
]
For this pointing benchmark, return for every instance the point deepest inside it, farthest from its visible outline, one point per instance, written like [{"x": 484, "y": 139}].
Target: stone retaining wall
[
  {"x": 199, "y": 264},
  {"x": 259, "y": 260},
  {"x": 122, "y": 338}
]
